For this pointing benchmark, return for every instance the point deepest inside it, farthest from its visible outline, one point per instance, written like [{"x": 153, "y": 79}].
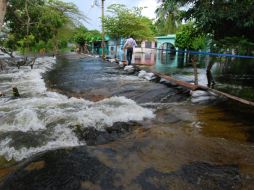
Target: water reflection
[
  {"x": 185, "y": 146},
  {"x": 235, "y": 76},
  {"x": 145, "y": 58},
  {"x": 232, "y": 75}
]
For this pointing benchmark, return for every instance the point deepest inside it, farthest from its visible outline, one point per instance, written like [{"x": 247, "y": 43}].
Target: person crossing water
[{"x": 129, "y": 45}]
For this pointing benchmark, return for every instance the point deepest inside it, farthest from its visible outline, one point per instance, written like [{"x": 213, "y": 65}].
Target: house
[
  {"x": 115, "y": 48},
  {"x": 146, "y": 47}
]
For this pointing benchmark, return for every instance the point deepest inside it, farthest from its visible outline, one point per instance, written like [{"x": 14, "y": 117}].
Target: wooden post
[
  {"x": 125, "y": 62},
  {"x": 194, "y": 64},
  {"x": 15, "y": 92},
  {"x": 1, "y": 65},
  {"x": 102, "y": 29},
  {"x": 178, "y": 82}
]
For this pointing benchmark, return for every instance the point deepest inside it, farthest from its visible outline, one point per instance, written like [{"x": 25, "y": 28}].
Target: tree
[
  {"x": 3, "y": 4},
  {"x": 222, "y": 18},
  {"x": 168, "y": 17},
  {"x": 84, "y": 37},
  {"x": 37, "y": 23},
  {"x": 188, "y": 38},
  {"x": 124, "y": 22},
  {"x": 60, "y": 17}
]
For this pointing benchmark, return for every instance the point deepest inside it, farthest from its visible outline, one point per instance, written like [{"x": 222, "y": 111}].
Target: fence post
[{"x": 194, "y": 64}]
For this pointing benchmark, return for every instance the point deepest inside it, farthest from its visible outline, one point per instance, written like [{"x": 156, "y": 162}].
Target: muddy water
[{"x": 177, "y": 145}]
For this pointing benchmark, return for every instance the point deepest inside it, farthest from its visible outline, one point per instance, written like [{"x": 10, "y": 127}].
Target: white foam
[
  {"x": 52, "y": 114},
  {"x": 22, "y": 120},
  {"x": 62, "y": 137},
  {"x": 27, "y": 80},
  {"x": 38, "y": 114},
  {"x": 109, "y": 111}
]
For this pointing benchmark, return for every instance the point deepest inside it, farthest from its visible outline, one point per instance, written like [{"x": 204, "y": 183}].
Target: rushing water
[
  {"x": 41, "y": 120},
  {"x": 174, "y": 145}
]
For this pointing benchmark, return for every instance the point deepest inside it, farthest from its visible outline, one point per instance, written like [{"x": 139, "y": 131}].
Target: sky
[{"x": 94, "y": 13}]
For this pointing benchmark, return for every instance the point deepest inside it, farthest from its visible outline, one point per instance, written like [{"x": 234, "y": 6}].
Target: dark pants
[
  {"x": 209, "y": 75},
  {"x": 210, "y": 78},
  {"x": 129, "y": 55}
]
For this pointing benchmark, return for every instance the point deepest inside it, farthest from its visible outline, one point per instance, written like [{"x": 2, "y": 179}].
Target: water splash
[
  {"x": 61, "y": 137},
  {"x": 49, "y": 115}
]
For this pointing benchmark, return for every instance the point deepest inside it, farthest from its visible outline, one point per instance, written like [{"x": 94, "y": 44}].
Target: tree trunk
[
  {"x": 55, "y": 44},
  {"x": 28, "y": 18},
  {"x": 3, "y": 4},
  {"x": 116, "y": 49},
  {"x": 194, "y": 64}
]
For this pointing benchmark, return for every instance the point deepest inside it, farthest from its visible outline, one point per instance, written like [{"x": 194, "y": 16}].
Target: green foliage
[
  {"x": 83, "y": 36},
  {"x": 124, "y": 22},
  {"x": 184, "y": 38},
  {"x": 240, "y": 45},
  {"x": 93, "y": 36},
  {"x": 10, "y": 42},
  {"x": 221, "y": 19},
  {"x": 168, "y": 18},
  {"x": 199, "y": 42},
  {"x": 40, "y": 24},
  {"x": 26, "y": 43},
  {"x": 188, "y": 38}
]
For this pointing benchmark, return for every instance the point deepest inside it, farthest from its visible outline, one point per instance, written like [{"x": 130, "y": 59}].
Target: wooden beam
[
  {"x": 235, "y": 98},
  {"x": 178, "y": 82},
  {"x": 200, "y": 87}
]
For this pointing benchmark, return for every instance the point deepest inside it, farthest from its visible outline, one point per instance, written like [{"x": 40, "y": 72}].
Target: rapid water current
[
  {"x": 40, "y": 120},
  {"x": 142, "y": 134}
]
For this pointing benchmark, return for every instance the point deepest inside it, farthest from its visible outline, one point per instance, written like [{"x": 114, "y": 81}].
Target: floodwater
[
  {"x": 232, "y": 75},
  {"x": 173, "y": 144}
]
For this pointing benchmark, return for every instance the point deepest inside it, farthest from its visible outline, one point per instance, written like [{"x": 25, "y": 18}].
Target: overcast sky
[{"x": 94, "y": 13}]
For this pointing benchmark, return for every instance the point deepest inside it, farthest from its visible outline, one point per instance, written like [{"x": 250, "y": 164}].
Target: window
[{"x": 148, "y": 44}]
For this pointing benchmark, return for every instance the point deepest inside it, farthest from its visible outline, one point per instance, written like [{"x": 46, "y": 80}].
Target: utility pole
[
  {"x": 102, "y": 29},
  {"x": 3, "y": 5}
]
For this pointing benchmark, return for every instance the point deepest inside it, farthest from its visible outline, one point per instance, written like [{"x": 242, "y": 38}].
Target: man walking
[{"x": 129, "y": 45}]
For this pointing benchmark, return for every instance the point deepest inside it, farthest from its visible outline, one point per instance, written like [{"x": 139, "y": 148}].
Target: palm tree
[{"x": 168, "y": 17}]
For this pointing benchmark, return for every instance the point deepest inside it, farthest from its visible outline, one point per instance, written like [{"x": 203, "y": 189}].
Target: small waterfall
[{"x": 40, "y": 120}]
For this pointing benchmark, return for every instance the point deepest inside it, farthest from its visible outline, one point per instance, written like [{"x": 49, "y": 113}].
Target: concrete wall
[{"x": 144, "y": 48}]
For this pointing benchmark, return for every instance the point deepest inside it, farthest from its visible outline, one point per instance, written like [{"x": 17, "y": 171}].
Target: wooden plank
[
  {"x": 178, "y": 82},
  {"x": 235, "y": 98},
  {"x": 200, "y": 87}
]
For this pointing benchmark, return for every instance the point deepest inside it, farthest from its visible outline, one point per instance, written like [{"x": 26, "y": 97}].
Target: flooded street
[
  {"x": 90, "y": 125},
  {"x": 232, "y": 75}
]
